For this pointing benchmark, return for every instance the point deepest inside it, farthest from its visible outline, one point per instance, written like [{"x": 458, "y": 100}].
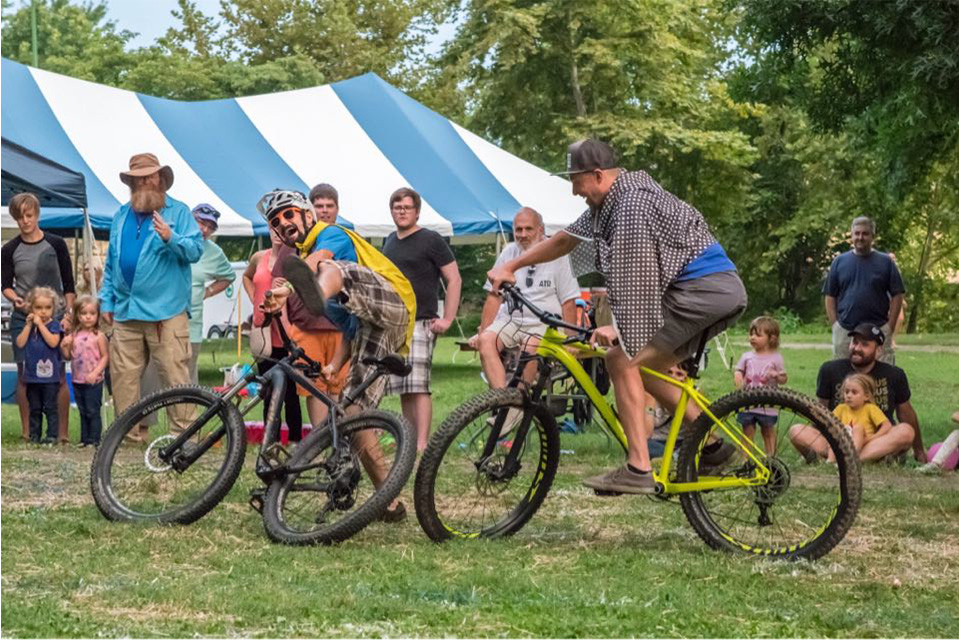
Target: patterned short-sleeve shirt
[{"x": 641, "y": 238}]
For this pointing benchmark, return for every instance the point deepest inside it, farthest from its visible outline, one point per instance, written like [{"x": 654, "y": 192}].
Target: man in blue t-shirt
[{"x": 863, "y": 286}]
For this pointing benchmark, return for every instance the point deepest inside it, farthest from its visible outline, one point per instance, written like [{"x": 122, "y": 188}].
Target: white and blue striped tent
[{"x": 361, "y": 135}]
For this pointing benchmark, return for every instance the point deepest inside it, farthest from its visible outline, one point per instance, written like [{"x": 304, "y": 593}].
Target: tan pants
[{"x": 133, "y": 344}]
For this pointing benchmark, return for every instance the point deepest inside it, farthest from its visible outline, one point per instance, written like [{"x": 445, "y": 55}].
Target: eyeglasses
[
  {"x": 286, "y": 214},
  {"x": 530, "y": 271},
  {"x": 403, "y": 207}
]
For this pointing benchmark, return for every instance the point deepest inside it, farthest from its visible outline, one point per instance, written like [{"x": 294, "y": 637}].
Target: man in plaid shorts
[
  {"x": 343, "y": 290},
  {"x": 424, "y": 257}
]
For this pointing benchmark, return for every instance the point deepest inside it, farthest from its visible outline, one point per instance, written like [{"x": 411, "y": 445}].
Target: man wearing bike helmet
[
  {"x": 668, "y": 282},
  {"x": 291, "y": 216}
]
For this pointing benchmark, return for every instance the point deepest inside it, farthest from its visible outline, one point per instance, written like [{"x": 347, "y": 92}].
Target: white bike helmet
[{"x": 279, "y": 199}]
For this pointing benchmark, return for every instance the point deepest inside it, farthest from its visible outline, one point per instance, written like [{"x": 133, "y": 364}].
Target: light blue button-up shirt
[{"x": 161, "y": 282}]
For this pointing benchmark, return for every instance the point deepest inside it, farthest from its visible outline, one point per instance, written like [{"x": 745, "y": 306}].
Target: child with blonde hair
[
  {"x": 761, "y": 367},
  {"x": 858, "y": 413},
  {"x": 40, "y": 340},
  {"x": 87, "y": 348}
]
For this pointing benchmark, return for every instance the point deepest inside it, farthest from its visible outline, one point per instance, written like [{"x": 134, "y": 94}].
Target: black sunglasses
[
  {"x": 530, "y": 271},
  {"x": 287, "y": 215}
]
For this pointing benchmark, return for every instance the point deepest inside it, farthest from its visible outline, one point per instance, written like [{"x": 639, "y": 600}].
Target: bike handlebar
[{"x": 517, "y": 299}]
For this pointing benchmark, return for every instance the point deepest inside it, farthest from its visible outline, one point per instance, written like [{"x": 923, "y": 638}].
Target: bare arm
[
  {"x": 559, "y": 245},
  {"x": 104, "y": 357},
  {"x": 12, "y": 296},
  {"x": 896, "y": 303},
  {"x": 52, "y": 339},
  {"x": 738, "y": 379},
  {"x": 248, "y": 273},
  {"x": 451, "y": 274},
  {"x": 490, "y": 307},
  {"x": 831, "y": 306},
  {"x": 25, "y": 334},
  {"x": 213, "y": 289},
  {"x": 906, "y": 413}
]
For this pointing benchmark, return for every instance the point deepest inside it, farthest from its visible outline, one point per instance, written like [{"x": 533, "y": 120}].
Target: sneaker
[
  {"x": 395, "y": 515},
  {"x": 304, "y": 281},
  {"x": 929, "y": 469},
  {"x": 715, "y": 456},
  {"x": 623, "y": 480},
  {"x": 48, "y": 442},
  {"x": 513, "y": 418},
  {"x": 810, "y": 456}
]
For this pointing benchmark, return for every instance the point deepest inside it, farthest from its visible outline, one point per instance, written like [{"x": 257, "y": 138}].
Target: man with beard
[
  {"x": 892, "y": 397},
  {"x": 295, "y": 222},
  {"x": 146, "y": 284},
  {"x": 550, "y": 285},
  {"x": 863, "y": 286}
]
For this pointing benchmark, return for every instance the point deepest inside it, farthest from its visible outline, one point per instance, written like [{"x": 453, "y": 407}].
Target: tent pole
[{"x": 88, "y": 252}]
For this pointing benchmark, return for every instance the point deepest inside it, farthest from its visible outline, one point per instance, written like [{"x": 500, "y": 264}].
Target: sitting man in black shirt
[{"x": 892, "y": 397}]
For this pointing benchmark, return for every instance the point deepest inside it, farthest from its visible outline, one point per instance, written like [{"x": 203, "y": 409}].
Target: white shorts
[{"x": 512, "y": 333}]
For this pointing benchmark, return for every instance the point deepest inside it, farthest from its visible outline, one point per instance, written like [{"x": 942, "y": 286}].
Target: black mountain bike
[{"x": 195, "y": 446}]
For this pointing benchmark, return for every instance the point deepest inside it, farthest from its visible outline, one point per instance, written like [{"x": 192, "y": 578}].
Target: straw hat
[{"x": 145, "y": 164}]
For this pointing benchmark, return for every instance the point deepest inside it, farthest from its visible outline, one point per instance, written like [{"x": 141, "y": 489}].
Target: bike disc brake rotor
[{"x": 151, "y": 458}]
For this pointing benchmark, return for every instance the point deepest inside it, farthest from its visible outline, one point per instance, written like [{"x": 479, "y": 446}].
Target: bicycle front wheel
[
  {"x": 331, "y": 497},
  {"x": 803, "y": 510},
  {"x": 460, "y": 493},
  {"x": 128, "y": 479}
]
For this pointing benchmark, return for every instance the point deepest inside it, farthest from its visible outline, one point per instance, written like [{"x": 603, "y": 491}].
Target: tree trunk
[
  {"x": 575, "y": 78},
  {"x": 921, "y": 276}
]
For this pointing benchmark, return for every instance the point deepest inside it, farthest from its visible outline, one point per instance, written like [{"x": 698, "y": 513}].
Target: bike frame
[{"x": 554, "y": 346}]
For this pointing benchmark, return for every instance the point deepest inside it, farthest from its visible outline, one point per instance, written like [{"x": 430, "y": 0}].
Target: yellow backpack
[{"x": 368, "y": 256}]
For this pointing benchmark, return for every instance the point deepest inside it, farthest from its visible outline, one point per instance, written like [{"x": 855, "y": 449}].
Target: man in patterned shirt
[{"x": 668, "y": 281}]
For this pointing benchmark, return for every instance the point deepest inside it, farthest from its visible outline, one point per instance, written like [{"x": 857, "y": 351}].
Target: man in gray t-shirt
[
  {"x": 34, "y": 259},
  {"x": 550, "y": 285}
]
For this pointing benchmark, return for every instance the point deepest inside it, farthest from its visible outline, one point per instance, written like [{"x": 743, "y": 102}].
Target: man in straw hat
[{"x": 146, "y": 284}]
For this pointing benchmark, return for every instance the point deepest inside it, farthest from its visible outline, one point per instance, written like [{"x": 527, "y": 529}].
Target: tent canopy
[
  {"x": 54, "y": 184},
  {"x": 362, "y": 135}
]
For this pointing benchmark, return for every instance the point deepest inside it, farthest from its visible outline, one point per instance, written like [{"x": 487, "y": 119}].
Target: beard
[{"x": 146, "y": 199}]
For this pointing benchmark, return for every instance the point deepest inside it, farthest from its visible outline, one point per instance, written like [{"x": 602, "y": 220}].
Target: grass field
[{"x": 584, "y": 566}]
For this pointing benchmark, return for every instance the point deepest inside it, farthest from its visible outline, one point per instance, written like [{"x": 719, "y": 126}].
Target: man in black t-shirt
[
  {"x": 892, "y": 397},
  {"x": 424, "y": 258}
]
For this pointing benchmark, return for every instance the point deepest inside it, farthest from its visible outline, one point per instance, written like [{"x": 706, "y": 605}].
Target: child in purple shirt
[{"x": 762, "y": 367}]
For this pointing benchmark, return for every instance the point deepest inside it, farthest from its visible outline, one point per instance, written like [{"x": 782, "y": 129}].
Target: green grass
[{"x": 584, "y": 566}]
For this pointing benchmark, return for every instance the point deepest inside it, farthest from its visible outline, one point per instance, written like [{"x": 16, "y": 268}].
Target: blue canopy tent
[{"x": 361, "y": 135}]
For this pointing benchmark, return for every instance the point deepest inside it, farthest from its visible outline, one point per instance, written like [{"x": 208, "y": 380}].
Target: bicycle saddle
[{"x": 393, "y": 364}]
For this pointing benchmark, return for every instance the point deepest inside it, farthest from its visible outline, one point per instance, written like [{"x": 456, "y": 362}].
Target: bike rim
[
  {"x": 146, "y": 487},
  {"x": 313, "y": 501},
  {"x": 797, "y": 505},
  {"x": 469, "y": 500}
]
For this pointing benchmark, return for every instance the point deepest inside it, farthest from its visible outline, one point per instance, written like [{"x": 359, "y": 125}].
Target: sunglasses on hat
[{"x": 207, "y": 210}]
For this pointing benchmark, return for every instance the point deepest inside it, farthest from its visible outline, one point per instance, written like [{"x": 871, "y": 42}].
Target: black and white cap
[
  {"x": 868, "y": 331},
  {"x": 589, "y": 155}
]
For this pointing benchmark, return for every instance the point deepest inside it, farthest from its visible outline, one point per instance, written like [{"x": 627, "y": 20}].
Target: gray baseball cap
[{"x": 588, "y": 155}]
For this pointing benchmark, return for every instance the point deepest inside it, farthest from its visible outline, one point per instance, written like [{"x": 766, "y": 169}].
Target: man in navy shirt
[{"x": 863, "y": 286}]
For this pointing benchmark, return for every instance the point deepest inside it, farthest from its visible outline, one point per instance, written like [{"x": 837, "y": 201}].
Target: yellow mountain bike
[{"x": 490, "y": 465}]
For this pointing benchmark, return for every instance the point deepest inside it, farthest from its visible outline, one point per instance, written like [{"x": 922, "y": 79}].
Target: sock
[{"x": 637, "y": 471}]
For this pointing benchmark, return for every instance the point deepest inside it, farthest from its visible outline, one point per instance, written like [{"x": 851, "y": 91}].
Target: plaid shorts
[
  {"x": 420, "y": 358},
  {"x": 383, "y": 326}
]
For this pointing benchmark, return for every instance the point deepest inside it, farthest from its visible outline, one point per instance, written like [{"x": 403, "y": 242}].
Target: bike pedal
[{"x": 256, "y": 500}]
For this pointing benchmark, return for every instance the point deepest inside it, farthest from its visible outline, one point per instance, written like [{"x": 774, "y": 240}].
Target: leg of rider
[
  {"x": 317, "y": 412},
  {"x": 418, "y": 410},
  {"x": 628, "y": 390},
  {"x": 899, "y": 438},
  {"x": 490, "y": 347}
]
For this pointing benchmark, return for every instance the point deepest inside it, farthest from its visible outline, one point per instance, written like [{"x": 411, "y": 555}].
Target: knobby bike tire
[
  {"x": 234, "y": 449},
  {"x": 274, "y": 521},
  {"x": 425, "y": 485},
  {"x": 825, "y": 537}
]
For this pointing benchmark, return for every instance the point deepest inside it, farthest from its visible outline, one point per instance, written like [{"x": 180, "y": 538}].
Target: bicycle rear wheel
[
  {"x": 459, "y": 493},
  {"x": 128, "y": 479},
  {"x": 803, "y": 510},
  {"x": 334, "y": 498}
]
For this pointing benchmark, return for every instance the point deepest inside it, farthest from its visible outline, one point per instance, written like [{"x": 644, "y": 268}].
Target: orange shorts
[{"x": 321, "y": 346}]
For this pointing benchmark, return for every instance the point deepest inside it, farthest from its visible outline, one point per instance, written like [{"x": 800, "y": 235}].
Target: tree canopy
[{"x": 781, "y": 120}]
